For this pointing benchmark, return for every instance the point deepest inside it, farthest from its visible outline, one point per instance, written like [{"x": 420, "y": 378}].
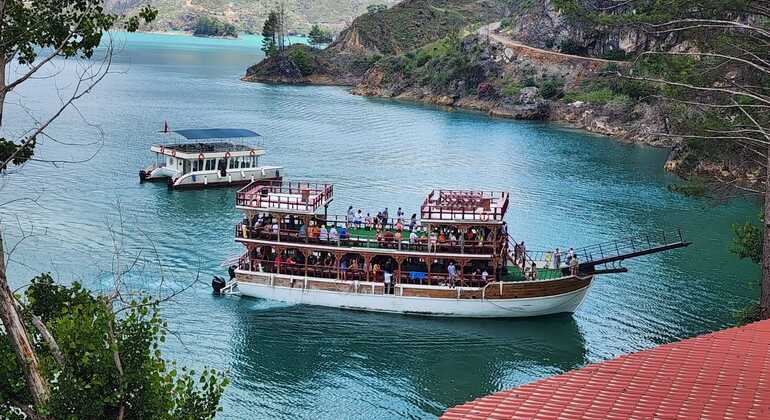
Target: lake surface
[{"x": 567, "y": 188}]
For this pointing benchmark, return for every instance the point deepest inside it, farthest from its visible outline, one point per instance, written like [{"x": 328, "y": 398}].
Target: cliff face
[
  {"x": 514, "y": 81},
  {"x": 543, "y": 24}
]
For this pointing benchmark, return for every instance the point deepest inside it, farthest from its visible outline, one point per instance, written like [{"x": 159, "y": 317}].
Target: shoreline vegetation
[{"x": 538, "y": 62}]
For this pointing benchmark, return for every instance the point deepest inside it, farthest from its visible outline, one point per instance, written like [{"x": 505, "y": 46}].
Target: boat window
[
  {"x": 255, "y": 160},
  {"x": 196, "y": 165},
  {"x": 233, "y": 162},
  {"x": 211, "y": 164},
  {"x": 245, "y": 162}
]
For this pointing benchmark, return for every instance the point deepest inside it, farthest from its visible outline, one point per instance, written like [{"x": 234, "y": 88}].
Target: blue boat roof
[{"x": 215, "y": 133}]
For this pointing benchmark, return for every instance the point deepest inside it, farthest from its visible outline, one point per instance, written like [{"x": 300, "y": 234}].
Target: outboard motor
[{"x": 218, "y": 283}]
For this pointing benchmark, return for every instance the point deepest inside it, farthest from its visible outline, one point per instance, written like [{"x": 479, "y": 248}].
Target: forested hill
[{"x": 249, "y": 15}]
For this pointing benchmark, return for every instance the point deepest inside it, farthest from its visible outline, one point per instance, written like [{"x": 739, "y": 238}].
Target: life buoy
[
  {"x": 485, "y": 215},
  {"x": 200, "y": 156},
  {"x": 227, "y": 155},
  {"x": 252, "y": 153}
]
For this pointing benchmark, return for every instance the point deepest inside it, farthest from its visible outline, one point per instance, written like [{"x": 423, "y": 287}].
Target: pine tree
[{"x": 269, "y": 46}]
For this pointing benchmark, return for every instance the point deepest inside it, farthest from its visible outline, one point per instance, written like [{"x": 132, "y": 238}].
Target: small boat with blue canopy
[{"x": 210, "y": 157}]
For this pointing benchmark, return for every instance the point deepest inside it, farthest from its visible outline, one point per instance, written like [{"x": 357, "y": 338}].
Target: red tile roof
[{"x": 722, "y": 375}]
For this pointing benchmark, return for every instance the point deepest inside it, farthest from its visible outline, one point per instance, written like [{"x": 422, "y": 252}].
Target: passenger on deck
[
  {"x": 301, "y": 231},
  {"x": 277, "y": 263},
  {"x": 523, "y": 252},
  {"x": 573, "y": 266},
  {"x": 324, "y": 234},
  {"x": 484, "y": 276},
  {"x": 533, "y": 271},
  {"x": 333, "y": 234},
  {"x": 344, "y": 269},
  {"x": 399, "y": 214},
  {"x": 413, "y": 221},
  {"x": 557, "y": 259},
  {"x": 399, "y": 226},
  {"x": 343, "y": 231},
  {"x": 385, "y": 217},
  {"x": 368, "y": 222},
  {"x": 350, "y": 215},
  {"x": 358, "y": 219},
  {"x": 275, "y": 229},
  {"x": 398, "y": 237},
  {"x": 413, "y": 237},
  {"x": 387, "y": 277},
  {"x": 452, "y": 272},
  {"x": 432, "y": 239},
  {"x": 314, "y": 232}
]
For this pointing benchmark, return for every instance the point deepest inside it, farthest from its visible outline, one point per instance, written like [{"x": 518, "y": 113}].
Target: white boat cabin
[{"x": 208, "y": 164}]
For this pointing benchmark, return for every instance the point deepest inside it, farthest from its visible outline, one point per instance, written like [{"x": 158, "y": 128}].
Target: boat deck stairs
[{"x": 607, "y": 257}]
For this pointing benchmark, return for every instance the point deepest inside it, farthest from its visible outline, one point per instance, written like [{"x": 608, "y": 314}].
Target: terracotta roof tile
[{"x": 722, "y": 375}]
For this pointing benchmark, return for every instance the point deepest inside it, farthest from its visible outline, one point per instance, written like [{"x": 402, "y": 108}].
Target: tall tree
[{"x": 269, "y": 31}]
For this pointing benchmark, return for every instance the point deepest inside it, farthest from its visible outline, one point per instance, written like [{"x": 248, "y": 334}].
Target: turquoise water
[{"x": 567, "y": 188}]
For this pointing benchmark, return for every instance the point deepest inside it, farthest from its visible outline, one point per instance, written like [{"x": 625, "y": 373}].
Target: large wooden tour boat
[
  {"x": 209, "y": 161},
  {"x": 456, "y": 259}
]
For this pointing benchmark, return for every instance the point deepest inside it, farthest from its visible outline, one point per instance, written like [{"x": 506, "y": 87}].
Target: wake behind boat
[
  {"x": 206, "y": 163},
  {"x": 456, "y": 260}
]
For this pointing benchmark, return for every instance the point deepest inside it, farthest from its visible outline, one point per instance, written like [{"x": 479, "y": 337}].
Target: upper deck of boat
[
  {"x": 463, "y": 207},
  {"x": 293, "y": 197},
  {"x": 209, "y": 144}
]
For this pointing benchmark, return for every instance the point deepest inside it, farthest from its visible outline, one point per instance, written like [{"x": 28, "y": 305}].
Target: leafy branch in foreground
[{"x": 108, "y": 366}]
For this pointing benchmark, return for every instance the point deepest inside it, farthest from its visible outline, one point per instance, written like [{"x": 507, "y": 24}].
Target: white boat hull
[{"x": 470, "y": 308}]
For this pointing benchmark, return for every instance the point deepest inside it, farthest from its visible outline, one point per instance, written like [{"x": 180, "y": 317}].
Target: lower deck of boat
[{"x": 492, "y": 290}]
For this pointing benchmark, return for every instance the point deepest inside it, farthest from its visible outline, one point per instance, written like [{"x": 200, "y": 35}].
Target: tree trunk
[
  {"x": 2, "y": 83},
  {"x": 764, "y": 298},
  {"x": 14, "y": 328}
]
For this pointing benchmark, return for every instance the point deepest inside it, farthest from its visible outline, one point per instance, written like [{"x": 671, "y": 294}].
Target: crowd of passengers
[
  {"x": 381, "y": 269},
  {"x": 388, "y": 233}
]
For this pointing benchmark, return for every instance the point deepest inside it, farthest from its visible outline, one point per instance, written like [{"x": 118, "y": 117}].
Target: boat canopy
[{"x": 215, "y": 133}]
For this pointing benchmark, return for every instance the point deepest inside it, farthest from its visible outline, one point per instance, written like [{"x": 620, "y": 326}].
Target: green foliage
[
  {"x": 211, "y": 26},
  {"x": 319, "y": 36},
  {"x": 552, "y": 89},
  {"x": 569, "y": 46},
  {"x": 376, "y": 8},
  {"x": 512, "y": 89},
  {"x": 694, "y": 187},
  {"x": 600, "y": 96},
  {"x": 615, "y": 54},
  {"x": 303, "y": 60},
  {"x": 747, "y": 242},
  {"x": 747, "y": 315},
  {"x": 269, "y": 29},
  {"x": 90, "y": 336}
]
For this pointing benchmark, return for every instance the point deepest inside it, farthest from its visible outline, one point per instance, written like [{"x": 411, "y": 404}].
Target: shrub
[
  {"x": 302, "y": 60},
  {"x": 599, "y": 96},
  {"x": 512, "y": 89},
  {"x": 551, "y": 89},
  {"x": 615, "y": 54},
  {"x": 569, "y": 46}
]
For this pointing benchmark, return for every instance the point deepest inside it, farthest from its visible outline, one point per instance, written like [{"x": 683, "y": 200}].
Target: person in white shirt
[
  {"x": 333, "y": 235},
  {"x": 324, "y": 234},
  {"x": 358, "y": 219},
  {"x": 413, "y": 238},
  {"x": 484, "y": 275}
]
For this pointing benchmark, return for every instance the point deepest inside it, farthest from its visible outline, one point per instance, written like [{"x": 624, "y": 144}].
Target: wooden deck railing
[
  {"x": 423, "y": 243},
  {"x": 333, "y": 272},
  {"x": 304, "y": 196}
]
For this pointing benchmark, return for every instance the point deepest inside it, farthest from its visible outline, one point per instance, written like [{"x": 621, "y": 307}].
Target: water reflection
[{"x": 426, "y": 363}]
